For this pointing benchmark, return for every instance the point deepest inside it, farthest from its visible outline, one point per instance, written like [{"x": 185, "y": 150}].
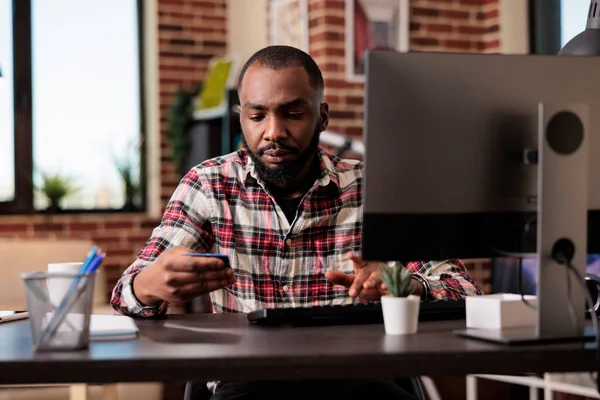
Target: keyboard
[{"x": 353, "y": 314}]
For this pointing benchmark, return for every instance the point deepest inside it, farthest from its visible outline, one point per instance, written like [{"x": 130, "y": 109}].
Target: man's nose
[{"x": 275, "y": 129}]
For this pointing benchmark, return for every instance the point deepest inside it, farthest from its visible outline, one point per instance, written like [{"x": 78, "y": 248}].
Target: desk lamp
[{"x": 587, "y": 43}]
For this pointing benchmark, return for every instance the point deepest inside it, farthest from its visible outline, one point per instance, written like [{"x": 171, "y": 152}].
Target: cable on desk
[
  {"x": 563, "y": 252},
  {"x": 520, "y": 283}
]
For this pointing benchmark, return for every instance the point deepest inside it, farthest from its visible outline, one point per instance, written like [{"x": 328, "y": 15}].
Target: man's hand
[
  {"x": 365, "y": 282},
  {"x": 174, "y": 277}
]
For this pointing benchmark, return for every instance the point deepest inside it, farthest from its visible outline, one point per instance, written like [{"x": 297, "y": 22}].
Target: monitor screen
[{"x": 445, "y": 134}]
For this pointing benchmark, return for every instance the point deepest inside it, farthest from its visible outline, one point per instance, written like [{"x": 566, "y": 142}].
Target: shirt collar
[{"x": 329, "y": 174}]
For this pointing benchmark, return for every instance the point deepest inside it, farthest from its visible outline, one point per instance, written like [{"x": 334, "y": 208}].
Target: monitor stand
[{"x": 563, "y": 136}]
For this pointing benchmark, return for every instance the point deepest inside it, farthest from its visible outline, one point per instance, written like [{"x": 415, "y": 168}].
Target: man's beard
[{"x": 284, "y": 174}]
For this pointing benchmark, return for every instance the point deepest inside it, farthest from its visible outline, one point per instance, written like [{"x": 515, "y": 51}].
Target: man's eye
[
  {"x": 295, "y": 115},
  {"x": 257, "y": 118}
]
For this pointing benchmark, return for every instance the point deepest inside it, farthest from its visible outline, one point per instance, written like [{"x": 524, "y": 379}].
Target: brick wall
[
  {"x": 190, "y": 33},
  {"x": 435, "y": 25}
]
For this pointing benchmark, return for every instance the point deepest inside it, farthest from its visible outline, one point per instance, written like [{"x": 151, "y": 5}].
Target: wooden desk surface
[{"x": 228, "y": 347}]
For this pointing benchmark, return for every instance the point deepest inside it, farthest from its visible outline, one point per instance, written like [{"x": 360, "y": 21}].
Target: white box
[{"x": 496, "y": 311}]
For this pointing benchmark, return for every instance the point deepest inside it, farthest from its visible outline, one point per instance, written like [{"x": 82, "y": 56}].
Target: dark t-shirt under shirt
[{"x": 289, "y": 207}]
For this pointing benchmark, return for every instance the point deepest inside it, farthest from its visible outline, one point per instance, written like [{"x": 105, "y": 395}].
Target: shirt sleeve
[
  {"x": 185, "y": 222},
  {"x": 446, "y": 279}
]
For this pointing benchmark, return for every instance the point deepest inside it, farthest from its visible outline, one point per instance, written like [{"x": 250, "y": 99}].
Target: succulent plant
[{"x": 397, "y": 279}]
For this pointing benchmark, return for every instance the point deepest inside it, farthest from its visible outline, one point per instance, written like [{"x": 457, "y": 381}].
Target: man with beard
[{"x": 287, "y": 214}]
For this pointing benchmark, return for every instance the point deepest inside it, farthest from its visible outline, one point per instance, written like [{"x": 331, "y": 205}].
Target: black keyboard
[{"x": 354, "y": 314}]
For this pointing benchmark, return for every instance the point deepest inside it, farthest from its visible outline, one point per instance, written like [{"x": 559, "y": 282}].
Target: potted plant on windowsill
[
  {"x": 56, "y": 188},
  {"x": 400, "y": 308}
]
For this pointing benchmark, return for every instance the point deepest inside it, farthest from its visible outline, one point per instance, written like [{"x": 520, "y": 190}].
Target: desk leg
[
  {"x": 78, "y": 392},
  {"x": 109, "y": 392},
  {"x": 471, "y": 387}
]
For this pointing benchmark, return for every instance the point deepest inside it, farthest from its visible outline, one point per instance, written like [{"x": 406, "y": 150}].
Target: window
[
  {"x": 7, "y": 142},
  {"x": 79, "y": 62},
  {"x": 554, "y": 22},
  {"x": 573, "y": 18}
]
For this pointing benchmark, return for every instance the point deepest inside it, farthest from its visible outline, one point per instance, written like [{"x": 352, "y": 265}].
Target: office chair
[{"x": 199, "y": 391}]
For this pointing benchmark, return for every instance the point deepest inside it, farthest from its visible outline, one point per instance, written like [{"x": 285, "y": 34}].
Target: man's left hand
[{"x": 365, "y": 282}]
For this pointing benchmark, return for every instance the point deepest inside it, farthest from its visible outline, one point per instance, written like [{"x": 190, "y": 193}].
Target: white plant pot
[{"x": 400, "y": 314}]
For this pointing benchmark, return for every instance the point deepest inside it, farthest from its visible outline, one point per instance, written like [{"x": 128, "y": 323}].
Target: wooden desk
[{"x": 228, "y": 347}]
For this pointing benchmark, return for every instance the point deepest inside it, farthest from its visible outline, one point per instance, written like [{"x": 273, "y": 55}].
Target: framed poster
[
  {"x": 289, "y": 23},
  {"x": 374, "y": 24}
]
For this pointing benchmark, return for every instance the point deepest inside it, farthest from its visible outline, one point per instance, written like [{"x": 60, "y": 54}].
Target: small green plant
[
  {"x": 128, "y": 167},
  {"x": 397, "y": 279},
  {"x": 179, "y": 120},
  {"x": 55, "y": 188}
]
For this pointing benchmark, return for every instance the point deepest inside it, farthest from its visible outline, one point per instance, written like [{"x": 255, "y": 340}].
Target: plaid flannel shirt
[{"x": 221, "y": 206}]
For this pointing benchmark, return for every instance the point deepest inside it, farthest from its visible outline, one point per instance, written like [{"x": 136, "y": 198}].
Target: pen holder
[{"x": 60, "y": 307}]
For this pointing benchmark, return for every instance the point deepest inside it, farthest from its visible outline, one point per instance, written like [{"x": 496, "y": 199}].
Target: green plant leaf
[{"x": 397, "y": 279}]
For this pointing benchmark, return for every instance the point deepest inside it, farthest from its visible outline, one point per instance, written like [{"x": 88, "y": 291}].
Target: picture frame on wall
[
  {"x": 289, "y": 23},
  {"x": 374, "y": 24}
]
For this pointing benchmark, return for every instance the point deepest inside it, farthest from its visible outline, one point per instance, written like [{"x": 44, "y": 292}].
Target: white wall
[
  {"x": 514, "y": 27},
  {"x": 247, "y": 27}
]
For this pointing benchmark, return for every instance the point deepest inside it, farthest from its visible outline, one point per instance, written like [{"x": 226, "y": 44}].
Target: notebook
[{"x": 112, "y": 327}]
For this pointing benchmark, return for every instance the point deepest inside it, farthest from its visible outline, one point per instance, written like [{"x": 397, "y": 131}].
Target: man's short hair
[{"x": 279, "y": 57}]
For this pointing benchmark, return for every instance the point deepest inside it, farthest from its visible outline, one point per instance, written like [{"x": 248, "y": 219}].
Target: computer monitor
[{"x": 451, "y": 142}]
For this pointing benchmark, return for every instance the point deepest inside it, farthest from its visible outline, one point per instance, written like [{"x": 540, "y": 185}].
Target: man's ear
[{"x": 324, "y": 116}]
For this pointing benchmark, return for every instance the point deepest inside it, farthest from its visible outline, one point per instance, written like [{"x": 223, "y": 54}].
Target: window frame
[
  {"x": 545, "y": 27},
  {"x": 23, "y": 202}
]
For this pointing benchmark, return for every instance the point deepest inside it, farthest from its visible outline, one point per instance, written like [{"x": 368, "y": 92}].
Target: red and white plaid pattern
[{"x": 221, "y": 206}]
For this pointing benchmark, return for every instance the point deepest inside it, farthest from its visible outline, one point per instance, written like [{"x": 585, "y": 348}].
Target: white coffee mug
[{"x": 58, "y": 287}]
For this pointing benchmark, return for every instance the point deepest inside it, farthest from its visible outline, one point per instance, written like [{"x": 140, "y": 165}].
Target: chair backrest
[{"x": 27, "y": 255}]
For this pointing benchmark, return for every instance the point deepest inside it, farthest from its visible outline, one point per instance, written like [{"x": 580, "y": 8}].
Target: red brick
[
  {"x": 106, "y": 238},
  {"x": 425, "y": 12},
  {"x": 181, "y": 15},
  {"x": 472, "y": 30},
  {"x": 215, "y": 18},
  {"x": 458, "y": 44},
  {"x": 13, "y": 228},
  {"x": 354, "y": 131},
  {"x": 355, "y": 100},
  {"x": 425, "y": 41},
  {"x": 208, "y": 29},
  {"x": 327, "y": 36},
  {"x": 492, "y": 29},
  {"x": 337, "y": 84},
  {"x": 205, "y": 4},
  {"x": 446, "y": 28},
  {"x": 487, "y": 45},
  {"x": 83, "y": 226},
  {"x": 488, "y": 15},
  {"x": 339, "y": 114},
  {"x": 48, "y": 227},
  {"x": 150, "y": 224},
  {"x": 119, "y": 225},
  {"x": 334, "y": 4},
  {"x": 456, "y": 14},
  {"x": 168, "y": 27},
  {"x": 327, "y": 51},
  {"x": 477, "y": 2}
]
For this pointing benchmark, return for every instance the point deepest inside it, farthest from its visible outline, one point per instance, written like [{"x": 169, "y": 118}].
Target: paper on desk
[
  {"x": 102, "y": 327},
  {"x": 112, "y": 327}
]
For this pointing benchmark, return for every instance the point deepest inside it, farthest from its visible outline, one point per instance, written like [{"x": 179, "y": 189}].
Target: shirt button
[
  {"x": 289, "y": 241},
  {"x": 286, "y": 288}
]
